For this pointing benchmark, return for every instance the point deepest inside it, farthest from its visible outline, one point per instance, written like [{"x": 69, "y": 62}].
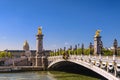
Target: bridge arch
[{"x": 83, "y": 64}]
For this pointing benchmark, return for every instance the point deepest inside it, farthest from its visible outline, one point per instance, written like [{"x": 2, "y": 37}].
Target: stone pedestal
[
  {"x": 39, "y": 49},
  {"x": 40, "y": 58},
  {"x": 97, "y": 48},
  {"x": 39, "y": 43},
  {"x": 39, "y": 61}
]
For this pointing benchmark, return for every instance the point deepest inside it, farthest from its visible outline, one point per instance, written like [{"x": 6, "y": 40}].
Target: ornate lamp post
[
  {"x": 76, "y": 50},
  {"x": 115, "y": 45},
  {"x": 71, "y": 50},
  {"x": 64, "y": 49},
  {"x": 60, "y": 51},
  {"x": 70, "y": 47},
  {"x": 55, "y": 53},
  {"x": 100, "y": 50},
  {"x": 90, "y": 46},
  {"x": 82, "y": 48}
]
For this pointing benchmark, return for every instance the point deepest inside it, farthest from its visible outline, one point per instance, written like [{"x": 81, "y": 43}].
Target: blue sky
[{"x": 64, "y": 22}]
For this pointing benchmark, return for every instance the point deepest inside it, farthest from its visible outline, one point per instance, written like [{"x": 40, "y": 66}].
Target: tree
[
  {"x": 51, "y": 53},
  {"x": 79, "y": 50},
  {"x": 86, "y": 51},
  {"x": 5, "y": 54},
  {"x": 107, "y": 52},
  {"x": 9, "y": 55}
]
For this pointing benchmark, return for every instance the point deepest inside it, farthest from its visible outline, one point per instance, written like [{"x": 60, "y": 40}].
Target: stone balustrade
[{"x": 109, "y": 64}]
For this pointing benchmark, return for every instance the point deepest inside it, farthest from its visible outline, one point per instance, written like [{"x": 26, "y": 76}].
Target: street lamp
[
  {"x": 90, "y": 46},
  {"x": 115, "y": 45},
  {"x": 82, "y": 48}
]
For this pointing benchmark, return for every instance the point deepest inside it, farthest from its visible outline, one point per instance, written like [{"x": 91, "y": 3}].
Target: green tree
[
  {"x": 5, "y": 54},
  {"x": 9, "y": 55},
  {"x": 107, "y": 52},
  {"x": 51, "y": 53},
  {"x": 86, "y": 51},
  {"x": 79, "y": 50}
]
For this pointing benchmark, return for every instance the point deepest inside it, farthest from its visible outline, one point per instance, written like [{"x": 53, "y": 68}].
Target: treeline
[
  {"x": 4, "y": 54},
  {"x": 80, "y": 51}
]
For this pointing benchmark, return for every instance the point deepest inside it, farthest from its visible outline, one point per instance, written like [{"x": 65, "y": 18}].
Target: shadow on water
[{"x": 70, "y": 67}]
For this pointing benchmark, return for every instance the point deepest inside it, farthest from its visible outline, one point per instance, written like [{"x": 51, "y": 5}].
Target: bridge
[{"x": 108, "y": 67}]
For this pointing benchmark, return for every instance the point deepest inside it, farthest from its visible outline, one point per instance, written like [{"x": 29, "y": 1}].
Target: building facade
[{"x": 36, "y": 57}]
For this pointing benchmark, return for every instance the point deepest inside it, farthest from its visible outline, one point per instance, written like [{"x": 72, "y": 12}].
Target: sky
[{"x": 64, "y": 22}]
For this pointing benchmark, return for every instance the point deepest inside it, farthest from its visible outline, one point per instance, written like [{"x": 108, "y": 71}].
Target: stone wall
[{"x": 24, "y": 62}]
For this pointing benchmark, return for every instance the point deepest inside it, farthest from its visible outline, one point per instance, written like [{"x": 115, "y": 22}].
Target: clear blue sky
[{"x": 64, "y": 22}]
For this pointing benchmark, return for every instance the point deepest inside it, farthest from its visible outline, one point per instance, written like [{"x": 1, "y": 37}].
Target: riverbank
[{"x": 20, "y": 68}]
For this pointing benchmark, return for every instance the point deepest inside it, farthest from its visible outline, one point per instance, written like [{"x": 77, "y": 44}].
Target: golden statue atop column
[
  {"x": 39, "y": 47},
  {"x": 97, "y": 33},
  {"x": 97, "y": 43},
  {"x": 39, "y": 31}
]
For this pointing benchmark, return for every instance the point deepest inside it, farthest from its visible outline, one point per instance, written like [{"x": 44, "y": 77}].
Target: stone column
[
  {"x": 82, "y": 49},
  {"x": 39, "y": 47},
  {"x": 90, "y": 47},
  {"x": 115, "y": 45},
  {"x": 97, "y": 48},
  {"x": 39, "y": 44}
]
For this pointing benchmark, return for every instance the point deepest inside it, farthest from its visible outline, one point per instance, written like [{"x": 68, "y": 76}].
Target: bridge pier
[{"x": 44, "y": 62}]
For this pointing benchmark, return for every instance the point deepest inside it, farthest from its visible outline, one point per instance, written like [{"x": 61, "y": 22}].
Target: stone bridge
[{"x": 108, "y": 67}]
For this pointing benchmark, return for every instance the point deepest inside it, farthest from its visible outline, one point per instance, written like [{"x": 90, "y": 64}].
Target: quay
[{"x": 20, "y": 68}]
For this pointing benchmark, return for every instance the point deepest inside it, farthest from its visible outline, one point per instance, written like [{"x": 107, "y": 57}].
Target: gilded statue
[
  {"x": 39, "y": 30},
  {"x": 97, "y": 33}
]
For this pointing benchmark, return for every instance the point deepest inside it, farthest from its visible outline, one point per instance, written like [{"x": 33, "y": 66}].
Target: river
[{"x": 44, "y": 75}]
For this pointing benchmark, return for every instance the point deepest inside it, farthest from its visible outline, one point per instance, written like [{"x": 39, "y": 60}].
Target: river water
[{"x": 44, "y": 75}]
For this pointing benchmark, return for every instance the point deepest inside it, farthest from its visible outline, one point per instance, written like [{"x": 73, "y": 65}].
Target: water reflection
[
  {"x": 24, "y": 76},
  {"x": 43, "y": 75}
]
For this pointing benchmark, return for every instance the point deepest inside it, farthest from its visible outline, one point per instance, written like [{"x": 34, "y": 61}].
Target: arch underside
[
  {"x": 69, "y": 66},
  {"x": 78, "y": 67}
]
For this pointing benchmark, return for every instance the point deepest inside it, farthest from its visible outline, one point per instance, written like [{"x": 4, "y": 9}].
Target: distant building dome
[{"x": 26, "y": 46}]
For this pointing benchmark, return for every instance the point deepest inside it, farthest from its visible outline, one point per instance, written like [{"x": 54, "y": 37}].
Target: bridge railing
[{"x": 108, "y": 63}]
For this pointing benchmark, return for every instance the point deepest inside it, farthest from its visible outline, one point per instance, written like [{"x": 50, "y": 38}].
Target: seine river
[{"x": 44, "y": 75}]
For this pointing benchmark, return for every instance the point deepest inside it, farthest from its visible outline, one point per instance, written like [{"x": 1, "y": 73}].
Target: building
[{"x": 36, "y": 57}]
